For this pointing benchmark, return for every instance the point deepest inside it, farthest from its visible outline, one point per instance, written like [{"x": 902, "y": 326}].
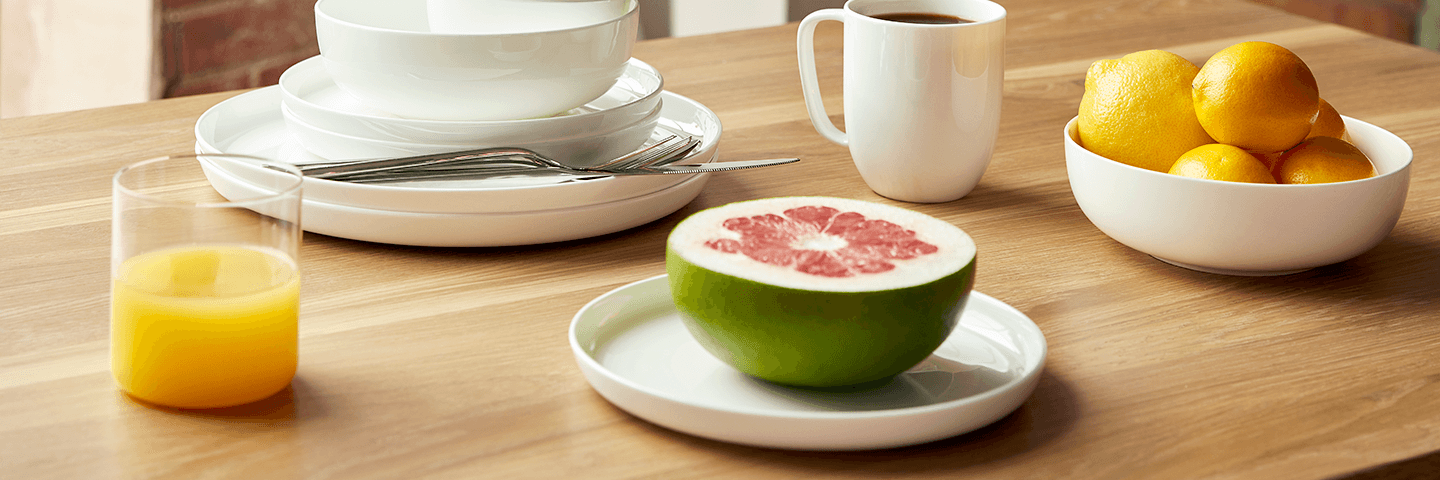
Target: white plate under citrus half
[{"x": 634, "y": 350}]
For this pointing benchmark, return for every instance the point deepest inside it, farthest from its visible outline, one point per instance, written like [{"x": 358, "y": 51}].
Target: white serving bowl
[
  {"x": 593, "y": 149},
  {"x": 387, "y": 54},
  {"x": 309, "y": 91},
  {"x": 1244, "y": 228}
]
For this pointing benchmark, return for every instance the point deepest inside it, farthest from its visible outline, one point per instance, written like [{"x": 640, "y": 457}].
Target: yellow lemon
[
  {"x": 1138, "y": 110},
  {"x": 1257, "y": 96},
  {"x": 1270, "y": 159},
  {"x": 1218, "y": 161},
  {"x": 1328, "y": 122},
  {"x": 1323, "y": 160}
]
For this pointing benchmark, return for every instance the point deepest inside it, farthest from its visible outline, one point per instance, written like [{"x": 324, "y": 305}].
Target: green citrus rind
[{"x": 816, "y": 338}]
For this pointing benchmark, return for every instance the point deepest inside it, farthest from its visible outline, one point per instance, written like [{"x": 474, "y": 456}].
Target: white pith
[
  {"x": 956, "y": 248},
  {"x": 823, "y": 242}
]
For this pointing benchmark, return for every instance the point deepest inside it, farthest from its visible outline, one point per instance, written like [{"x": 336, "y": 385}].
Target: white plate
[
  {"x": 634, "y": 350},
  {"x": 576, "y": 150},
  {"x": 251, "y": 124},
  {"x": 310, "y": 92},
  {"x": 477, "y": 229}
]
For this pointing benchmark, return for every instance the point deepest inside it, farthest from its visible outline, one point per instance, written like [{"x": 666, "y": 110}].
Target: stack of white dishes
[
  {"x": 313, "y": 116},
  {"x": 333, "y": 124}
]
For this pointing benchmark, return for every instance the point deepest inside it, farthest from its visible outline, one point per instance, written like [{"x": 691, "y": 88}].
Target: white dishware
[
  {"x": 310, "y": 92},
  {"x": 1244, "y": 228},
  {"x": 633, "y": 348},
  {"x": 922, "y": 101},
  {"x": 518, "y": 16},
  {"x": 496, "y": 229},
  {"x": 251, "y": 123},
  {"x": 384, "y": 53},
  {"x": 579, "y": 151}
]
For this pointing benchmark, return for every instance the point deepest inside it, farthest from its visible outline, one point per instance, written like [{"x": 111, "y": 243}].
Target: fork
[
  {"x": 495, "y": 161},
  {"x": 463, "y": 174}
]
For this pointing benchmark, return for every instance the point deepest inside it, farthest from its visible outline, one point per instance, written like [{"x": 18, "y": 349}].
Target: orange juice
[{"x": 204, "y": 326}]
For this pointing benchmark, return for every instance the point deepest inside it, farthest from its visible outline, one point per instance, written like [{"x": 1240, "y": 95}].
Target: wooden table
[{"x": 454, "y": 362}]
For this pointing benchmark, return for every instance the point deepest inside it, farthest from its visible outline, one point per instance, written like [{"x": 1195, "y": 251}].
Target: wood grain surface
[{"x": 453, "y": 363}]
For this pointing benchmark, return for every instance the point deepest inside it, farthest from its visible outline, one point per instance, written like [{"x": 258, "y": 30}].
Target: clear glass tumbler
[{"x": 205, "y": 290}]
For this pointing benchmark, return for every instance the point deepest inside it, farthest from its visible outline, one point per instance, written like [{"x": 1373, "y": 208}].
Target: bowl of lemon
[{"x": 1234, "y": 167}]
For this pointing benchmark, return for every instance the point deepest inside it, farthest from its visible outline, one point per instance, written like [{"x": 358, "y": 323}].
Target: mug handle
[{"x": 809, "y": 83}]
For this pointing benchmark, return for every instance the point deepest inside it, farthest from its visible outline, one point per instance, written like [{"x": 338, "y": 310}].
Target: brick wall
[
  {"x": 1395, "y": 19},
  {"x": 216, "y": 45}
]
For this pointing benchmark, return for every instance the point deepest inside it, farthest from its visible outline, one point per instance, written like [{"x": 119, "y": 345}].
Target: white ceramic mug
[{"x": 922, "y": 101}]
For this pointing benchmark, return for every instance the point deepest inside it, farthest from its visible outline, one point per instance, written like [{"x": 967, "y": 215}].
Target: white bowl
[
  {"x": 311, "y": 94},
  {"x": 476, "y": 229},
  {"x": 517, "y": 16},
  {"x": 386, "y": 53},
  {"x": 580, "y": 151},
  {"x": 1244, "y": 228}
]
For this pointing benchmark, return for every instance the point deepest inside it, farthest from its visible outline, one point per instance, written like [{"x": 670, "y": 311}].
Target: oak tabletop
[{"x": 454, "y": 363}]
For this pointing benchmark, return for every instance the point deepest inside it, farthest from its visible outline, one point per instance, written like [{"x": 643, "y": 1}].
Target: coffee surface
[{"x": 923, "y": 18}]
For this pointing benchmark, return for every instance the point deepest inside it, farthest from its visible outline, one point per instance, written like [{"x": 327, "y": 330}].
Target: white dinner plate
[
  {"x": 475, "y": 229},
  {"x": 251, "y": 124},
  {"x": 634, "y": 350}
]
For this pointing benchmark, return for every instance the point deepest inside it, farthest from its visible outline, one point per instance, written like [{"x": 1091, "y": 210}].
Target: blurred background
[{"x": 62, "y": 55}]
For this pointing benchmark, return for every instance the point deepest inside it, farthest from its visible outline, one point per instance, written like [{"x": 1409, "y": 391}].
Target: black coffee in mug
[{"x": 924, "y": 18}]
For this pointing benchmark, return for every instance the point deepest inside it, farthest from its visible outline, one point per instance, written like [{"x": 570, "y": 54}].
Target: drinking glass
[{"x": 205, "y": 290}]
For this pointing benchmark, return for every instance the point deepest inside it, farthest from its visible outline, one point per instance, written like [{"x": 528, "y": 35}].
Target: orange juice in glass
[{"x": 206, "y": 290}]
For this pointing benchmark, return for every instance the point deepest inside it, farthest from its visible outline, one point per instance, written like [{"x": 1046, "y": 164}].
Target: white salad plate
[
  {"x": 251, "y": 124},
  {"x": 474, "y": 229},
  {"x": 309, "y": 91},
  {"x": 635, "y": 351},
  {"x": 576, "y": 150}
]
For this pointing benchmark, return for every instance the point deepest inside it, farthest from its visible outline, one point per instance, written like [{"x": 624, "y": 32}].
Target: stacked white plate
[
  {"x": 307, "y": 119},
  {"x": 330, "y": 123}
]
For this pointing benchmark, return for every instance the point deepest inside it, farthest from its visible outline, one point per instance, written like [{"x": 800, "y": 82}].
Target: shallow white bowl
[
  {"x": 634, "y": 349},
  {"x": 1244, "y": 228},
  {"x": 389, "y": 55},
  {"x": 476, "y": 229},
  {"x": 580, "y": 151},
  {"x": 310, "y": 93},
  {"x": 251, "y": 124}
]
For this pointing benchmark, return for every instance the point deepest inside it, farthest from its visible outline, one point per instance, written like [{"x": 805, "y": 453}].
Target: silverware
[
  {"x": 671, "y": 148},
  {"x": 655, "y": 159},
  {"x": 462, "y": 174}
]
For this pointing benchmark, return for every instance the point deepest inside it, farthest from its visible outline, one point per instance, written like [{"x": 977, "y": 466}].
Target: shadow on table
[
  {"x": 154, "y": 441},
  {"x": 1403, "y": 269},
  {"x": 1037, "y": 200},
  {"x": 284, "y": 408},
  {"x": 1047, "y": 415},
  {"x": 1425, "y": 467}
]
